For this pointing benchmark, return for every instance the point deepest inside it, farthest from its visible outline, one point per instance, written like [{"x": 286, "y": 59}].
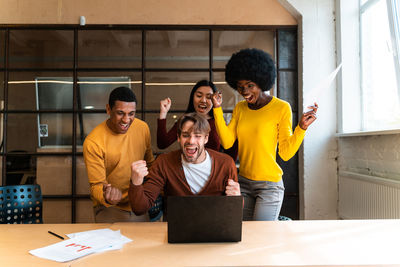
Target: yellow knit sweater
[
  {"x": 108, "y": 158},
  {"x": 259, "y": 133}
]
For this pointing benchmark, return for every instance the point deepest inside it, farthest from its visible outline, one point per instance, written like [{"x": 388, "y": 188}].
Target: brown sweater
[{"x": 166, "y": 174}]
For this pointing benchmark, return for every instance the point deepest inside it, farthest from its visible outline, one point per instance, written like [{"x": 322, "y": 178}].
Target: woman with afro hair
[{"x": 261, "y": 123}]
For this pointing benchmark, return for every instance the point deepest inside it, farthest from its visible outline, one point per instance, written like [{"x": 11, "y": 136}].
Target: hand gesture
[
  {"x": 112, "y": 195},
  {"x": 165, "y": 105},
  {"x": 233, "y": 188},
  {"x": 217, "y": 99},
  {"x": 138, "y": 172},
  {"x": 308, "y": 117}
]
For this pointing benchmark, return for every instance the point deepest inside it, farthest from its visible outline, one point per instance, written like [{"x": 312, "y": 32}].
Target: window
[{"x": 380, "y": 66}]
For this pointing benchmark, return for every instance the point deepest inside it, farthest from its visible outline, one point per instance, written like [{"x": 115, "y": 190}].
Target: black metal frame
[
  {"x": 77, "y": 110},
  {"x": 280, "y": 69}
]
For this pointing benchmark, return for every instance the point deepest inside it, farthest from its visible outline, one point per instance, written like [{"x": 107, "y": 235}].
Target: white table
[{"x": 280, "y": 243}]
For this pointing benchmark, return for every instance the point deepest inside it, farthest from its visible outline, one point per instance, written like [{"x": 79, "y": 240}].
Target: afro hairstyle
[{"x": 251, "y": 64}]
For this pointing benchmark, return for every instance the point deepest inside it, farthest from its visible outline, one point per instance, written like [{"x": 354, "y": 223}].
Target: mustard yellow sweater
[
  {"x": 259, "y": 133},
  {"x": 108, "y": 158}
]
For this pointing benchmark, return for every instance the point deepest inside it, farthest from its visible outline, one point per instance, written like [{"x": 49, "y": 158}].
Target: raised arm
[
  {"x": 309, "y": 117},
  {"x": 142, "y": 194},
  {"x": 165, "y": 105},
  {"x": 164, "y": 138},
  {"x": 288, "y": 141},
  {"x": 227, "y": 133}
]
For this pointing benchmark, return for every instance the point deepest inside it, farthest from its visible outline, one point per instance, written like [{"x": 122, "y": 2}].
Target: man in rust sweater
[{"x": 191, "y": 170}]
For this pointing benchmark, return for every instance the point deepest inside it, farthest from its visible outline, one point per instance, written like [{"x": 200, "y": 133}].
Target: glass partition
[
  {"x": 151, "y": 119},
  {"x": 20, "y": 168},
  {"x": 54, "y": 173},
  {"x": 95, "y": 87},
  {"x": 40, "y": 90},
  {"x": 41, "y": 48},
  {"x": 109, "y": 49},
  {"x": 22, "y": 132},
  {"x": 225, "y": 43},
  {"x": 230, "y": 97},
  {"x": 288, "y": 88},
  {"x": 1, "y": 108},
  {"x": 177, "y": 49},
  {"x": 84, "y": 211},
  {"x": 55, "y": 129},
  {"x": 63, "y": 208},
  {"x": 82, "y": 182},
  {"x": 287, "y": 49},
  {"x": 86, "y": 123},
  {"x": 175, "y": 85}
]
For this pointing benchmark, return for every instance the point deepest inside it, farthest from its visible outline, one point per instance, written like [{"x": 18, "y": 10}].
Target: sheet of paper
[
  {"x": 82, "y": 244},
  {"x": 314, "y": 94},
  {"x": 123, "y": 239}
]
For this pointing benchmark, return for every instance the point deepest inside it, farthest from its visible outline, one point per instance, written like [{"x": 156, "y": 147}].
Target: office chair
[
  {"x": 283, "y": 218},
  {"x": 19, "y": 168},
  {"x": 156, "y": 211},
  {"x": 20, "y": 204}
]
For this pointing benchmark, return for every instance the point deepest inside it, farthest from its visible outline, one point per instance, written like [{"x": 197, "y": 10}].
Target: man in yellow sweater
[{"x": 109, "y": 151}]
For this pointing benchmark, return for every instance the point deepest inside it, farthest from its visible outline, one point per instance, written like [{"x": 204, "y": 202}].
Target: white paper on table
[
  {"x": 82, "y": 244},
  {"x": 314, "y": 94},
  {"x": 106, "y": 231}
]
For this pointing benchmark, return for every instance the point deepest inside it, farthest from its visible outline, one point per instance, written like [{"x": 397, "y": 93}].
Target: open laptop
[{"x": 193, "y": 219}]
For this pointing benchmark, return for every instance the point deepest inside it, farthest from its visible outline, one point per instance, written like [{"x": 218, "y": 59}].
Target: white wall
[
  {"x": 373, "y": 155},
  {"x": 317, "y": 59}
]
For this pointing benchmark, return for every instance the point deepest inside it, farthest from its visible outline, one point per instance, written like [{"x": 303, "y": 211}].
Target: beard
[{"x": 192, "y": 157}]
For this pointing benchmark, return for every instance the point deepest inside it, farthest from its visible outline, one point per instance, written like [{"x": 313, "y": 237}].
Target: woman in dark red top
[{"x": 199, "y": 102}]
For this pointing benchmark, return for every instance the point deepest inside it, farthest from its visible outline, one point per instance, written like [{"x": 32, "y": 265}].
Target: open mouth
[
  {"x": 190, "y": 151},
  {"x": 202, "y": 108},
  {"x": 248, "y": 98},
  {"x": 124, "y": 126}
]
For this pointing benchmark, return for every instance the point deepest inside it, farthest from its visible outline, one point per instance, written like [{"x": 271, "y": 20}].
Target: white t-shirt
[{"x": 197, "y": 174}]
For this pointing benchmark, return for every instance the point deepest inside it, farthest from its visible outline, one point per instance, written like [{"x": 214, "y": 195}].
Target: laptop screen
[{"x": 194, "y": 219}]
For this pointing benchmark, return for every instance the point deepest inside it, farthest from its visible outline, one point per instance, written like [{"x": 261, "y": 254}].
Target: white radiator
[{"x": 368, "y": 197}]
